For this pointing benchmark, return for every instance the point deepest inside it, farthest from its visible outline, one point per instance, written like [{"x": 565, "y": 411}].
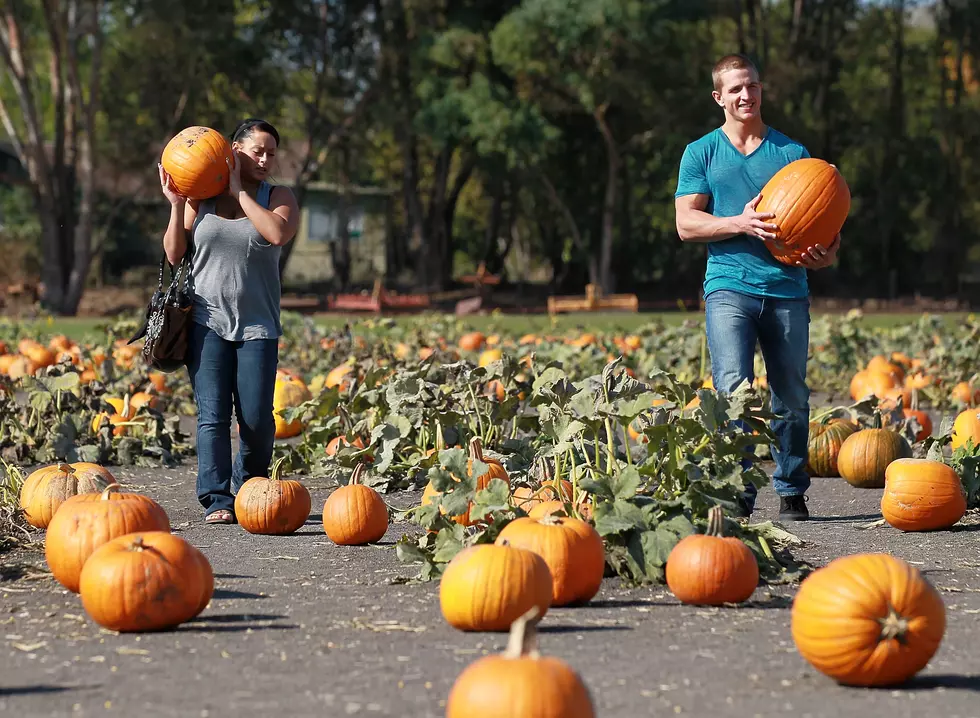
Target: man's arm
[{"x": 696, "y": 225}]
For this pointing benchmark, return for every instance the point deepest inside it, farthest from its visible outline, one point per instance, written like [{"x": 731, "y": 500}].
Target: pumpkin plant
[
  {"x": 520, "y": 683},
  {"x": 86, "y": 521},
  {"x": 272, "y": 505},
  {"x": 145, "y": 581},
  {"x": 868, "y": 620},
  {"x": 486, "y": 587},
  {"x": 711, "y": 568}
]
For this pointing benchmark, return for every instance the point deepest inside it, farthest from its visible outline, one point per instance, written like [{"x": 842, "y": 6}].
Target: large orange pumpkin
[
  {"x": 572, "y": 549},
  {"x": 711, "y": 568},
  {"x": 520, "y": 683},
  {"x": 866, "y": 454},
  {"x": 145, "y": 581},
  {"x": 47, "y": 488},
  {"x": 922, "y": 495},
  {"x": 195, "y": 160},
  {"x": 486, "y": 587},
  {"x": 86, "y": 521},
  {"x": 810, "y": 200},
  {"x": 868, "y": 620}
]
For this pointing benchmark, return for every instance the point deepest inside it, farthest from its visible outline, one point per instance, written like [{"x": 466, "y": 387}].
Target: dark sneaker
[{"x": 793, "y": 508}]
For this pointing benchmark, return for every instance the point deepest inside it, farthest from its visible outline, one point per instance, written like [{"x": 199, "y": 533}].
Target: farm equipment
[
  {"x": 379, "y": 300},
  {"x": 593, "y": 301}
]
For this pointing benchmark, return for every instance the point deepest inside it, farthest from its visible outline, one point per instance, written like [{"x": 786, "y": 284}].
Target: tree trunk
[
  {"x": 607, "y": 279},
  {"x": 494, "y": 217}
]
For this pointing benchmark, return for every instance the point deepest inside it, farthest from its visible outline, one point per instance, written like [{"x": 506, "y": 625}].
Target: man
[{"x": 748, "y": 295}]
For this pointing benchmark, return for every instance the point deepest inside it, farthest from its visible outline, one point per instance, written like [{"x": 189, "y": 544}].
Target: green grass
[{"x": 89, "y": 328}]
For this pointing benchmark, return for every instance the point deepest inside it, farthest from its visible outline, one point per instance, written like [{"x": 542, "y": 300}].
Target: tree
[{"x": 55, "y": 141}]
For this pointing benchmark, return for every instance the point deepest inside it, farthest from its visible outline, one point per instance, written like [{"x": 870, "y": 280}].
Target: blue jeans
[
  {"x": 735, "y": 321},
  {"x": 223, "y": 374}
]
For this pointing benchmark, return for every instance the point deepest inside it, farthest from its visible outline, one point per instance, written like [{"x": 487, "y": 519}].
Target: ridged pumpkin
[
  {"x": 519, "y": 683},
  {"x": 47, "y": 488},
  {"x": 823, "y": 446},
  {"x": 495, "y": 470},
  {"x": 868, "y": 620},
  {"x": 710, "y": 568},
  {"x": 145, "y": 581},
  {"x": 355, "y": 514},
  {"x": 572, "y": 549},
  {"x": 86, "y": 521},
  {"x": 290, "y": 391},
  {"x": 487, "y": 587},
  {"x": 272, "y": 505},
  {"x": 810, "y": 200},
  {"x": 866, "y": 454},
  {"x": 922, "y": 495},
  {"x": 195, "y": 160}
]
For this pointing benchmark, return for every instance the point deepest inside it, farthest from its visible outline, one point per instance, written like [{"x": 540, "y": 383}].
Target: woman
[{"x": 233, "y": 339}]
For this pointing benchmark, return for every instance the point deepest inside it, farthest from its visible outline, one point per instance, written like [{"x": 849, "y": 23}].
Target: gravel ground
[{"x": 308, "y": 628}]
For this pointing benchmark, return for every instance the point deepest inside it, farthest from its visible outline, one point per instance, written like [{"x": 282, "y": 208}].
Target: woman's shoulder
[{"x": 280, "y": 191}]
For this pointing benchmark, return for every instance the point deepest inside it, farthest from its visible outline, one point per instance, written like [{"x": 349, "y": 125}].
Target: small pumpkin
[
  {"x": 866, "y": 454},
  {"x": 711, "y": 568},
  {"x": 823, "y": 446},
  {"x": 810, "y": 201},
  {"x": 868, "y": 620},
  {"x": 486, "y": 587},
  {"x": 195, "y": 158},
  {"x": 86, "y": 521},
  {"x": 495, "y": 470},
  {"x": 290, "y": 391},
  {"x": 520, "y": 683},
  {"x": 966, "y": 428},
  {"x": 572, "y": 549},
  {"x": 355, "y": 513},
  {"x": 46, "y": 489},
  {"x": 272, "y": 505},
  {"x": 145, "y": 581},
  {"x": 922, "y": 495}
]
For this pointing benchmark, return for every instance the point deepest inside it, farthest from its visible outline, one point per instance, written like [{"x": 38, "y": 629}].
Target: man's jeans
[
  {"x": 782, "y": 327},
  {"x": 224, "y": 373}
]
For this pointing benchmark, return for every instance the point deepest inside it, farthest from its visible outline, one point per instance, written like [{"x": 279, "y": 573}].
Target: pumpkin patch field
[{"x": 484, "y": 522}]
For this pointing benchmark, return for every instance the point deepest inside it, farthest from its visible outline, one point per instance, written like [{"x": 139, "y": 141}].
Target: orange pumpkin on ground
[
  {"x": 866, "y": 454},
  {"x": 966, "y": 428},
  {"x": 195, "y": 160},
  {"x": 355, "y": 514},
  {"x": 272, "y": 505},
  {"x": 811, "y": 201},
  {"x": 572, "y": 549},
  {"x": 47, "y": 488},
  {"x": 711, "y": 568},
  {"x": 145, "y": 581},
  {"x": 495, "y": 470},
  {"x": 86, "y": 521},
  {"x": 823, "y": 446},
  {"x": 868, "y": 620},
  {"x": 520, "y": 683},
  {"x": 290, "y": 391},
  {"x": 487, "y": 587},
  {"x": 922, "y": 495}
]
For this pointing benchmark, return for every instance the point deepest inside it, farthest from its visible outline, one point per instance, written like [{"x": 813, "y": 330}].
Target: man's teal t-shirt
[{"x": 712, "y": 166}]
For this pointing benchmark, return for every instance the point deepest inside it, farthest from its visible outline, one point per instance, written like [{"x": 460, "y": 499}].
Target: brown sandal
[{"x": 221, "y": 516}]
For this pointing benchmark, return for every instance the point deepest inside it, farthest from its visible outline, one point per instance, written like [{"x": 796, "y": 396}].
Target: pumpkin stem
[
  {"x": 551, "y": 520},
  {"x": 276, "y": 473},
  {"x": 356, "y": 476},
  {"x": 716, "y": 522},
  {"x": 876, "y": 420},
  {"x": 66, "y": 468},
  {"x": 137, "y": 544},
  {"x": 110, "y": 489},
  {"x": 523, "y": 639},
  {"x": 125, "y": 411},
  {"x": 893, "y": 626},
  {"x": 476, "y": 449}
]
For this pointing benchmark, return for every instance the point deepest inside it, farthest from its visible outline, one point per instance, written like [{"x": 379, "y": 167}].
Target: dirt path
[{"x": 303, "y": 627}]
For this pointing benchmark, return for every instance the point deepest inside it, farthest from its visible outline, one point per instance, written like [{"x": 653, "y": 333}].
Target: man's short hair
[{"x": 735, "y": 61}]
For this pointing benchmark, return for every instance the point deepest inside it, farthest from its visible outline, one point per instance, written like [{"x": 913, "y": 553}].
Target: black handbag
[{"x": 167, "y": 317}]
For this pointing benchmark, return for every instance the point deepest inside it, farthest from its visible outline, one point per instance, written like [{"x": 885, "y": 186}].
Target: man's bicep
[{"x": 690, "y": 202}]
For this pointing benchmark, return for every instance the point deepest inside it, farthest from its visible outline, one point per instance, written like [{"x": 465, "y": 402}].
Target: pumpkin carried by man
[{"x": 810, "y": 201}]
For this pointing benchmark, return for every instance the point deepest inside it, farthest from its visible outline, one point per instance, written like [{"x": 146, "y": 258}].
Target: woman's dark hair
[{"x": 247, "y": 127}]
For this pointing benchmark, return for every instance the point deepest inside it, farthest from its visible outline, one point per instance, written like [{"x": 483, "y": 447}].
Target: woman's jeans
[
  {"x": 224, "y": 373},
  {"x": 735, "y": 321}
]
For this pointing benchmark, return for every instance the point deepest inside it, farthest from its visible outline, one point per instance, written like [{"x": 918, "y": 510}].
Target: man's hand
[
  {"x": 754, "y": 223},
  {"x": 817, "y": 257}
]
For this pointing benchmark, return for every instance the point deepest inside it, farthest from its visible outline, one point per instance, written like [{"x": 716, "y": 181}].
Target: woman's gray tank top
[{"x": 235, "y": 275}]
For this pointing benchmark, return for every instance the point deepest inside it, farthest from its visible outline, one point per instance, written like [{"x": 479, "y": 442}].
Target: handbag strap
[{"x": 175, "y": 272}]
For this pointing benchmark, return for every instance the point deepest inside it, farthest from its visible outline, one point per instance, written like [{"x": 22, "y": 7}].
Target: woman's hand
[
  {"x": 169, "y": 191},
  {"x": 234, "y": 175}
]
